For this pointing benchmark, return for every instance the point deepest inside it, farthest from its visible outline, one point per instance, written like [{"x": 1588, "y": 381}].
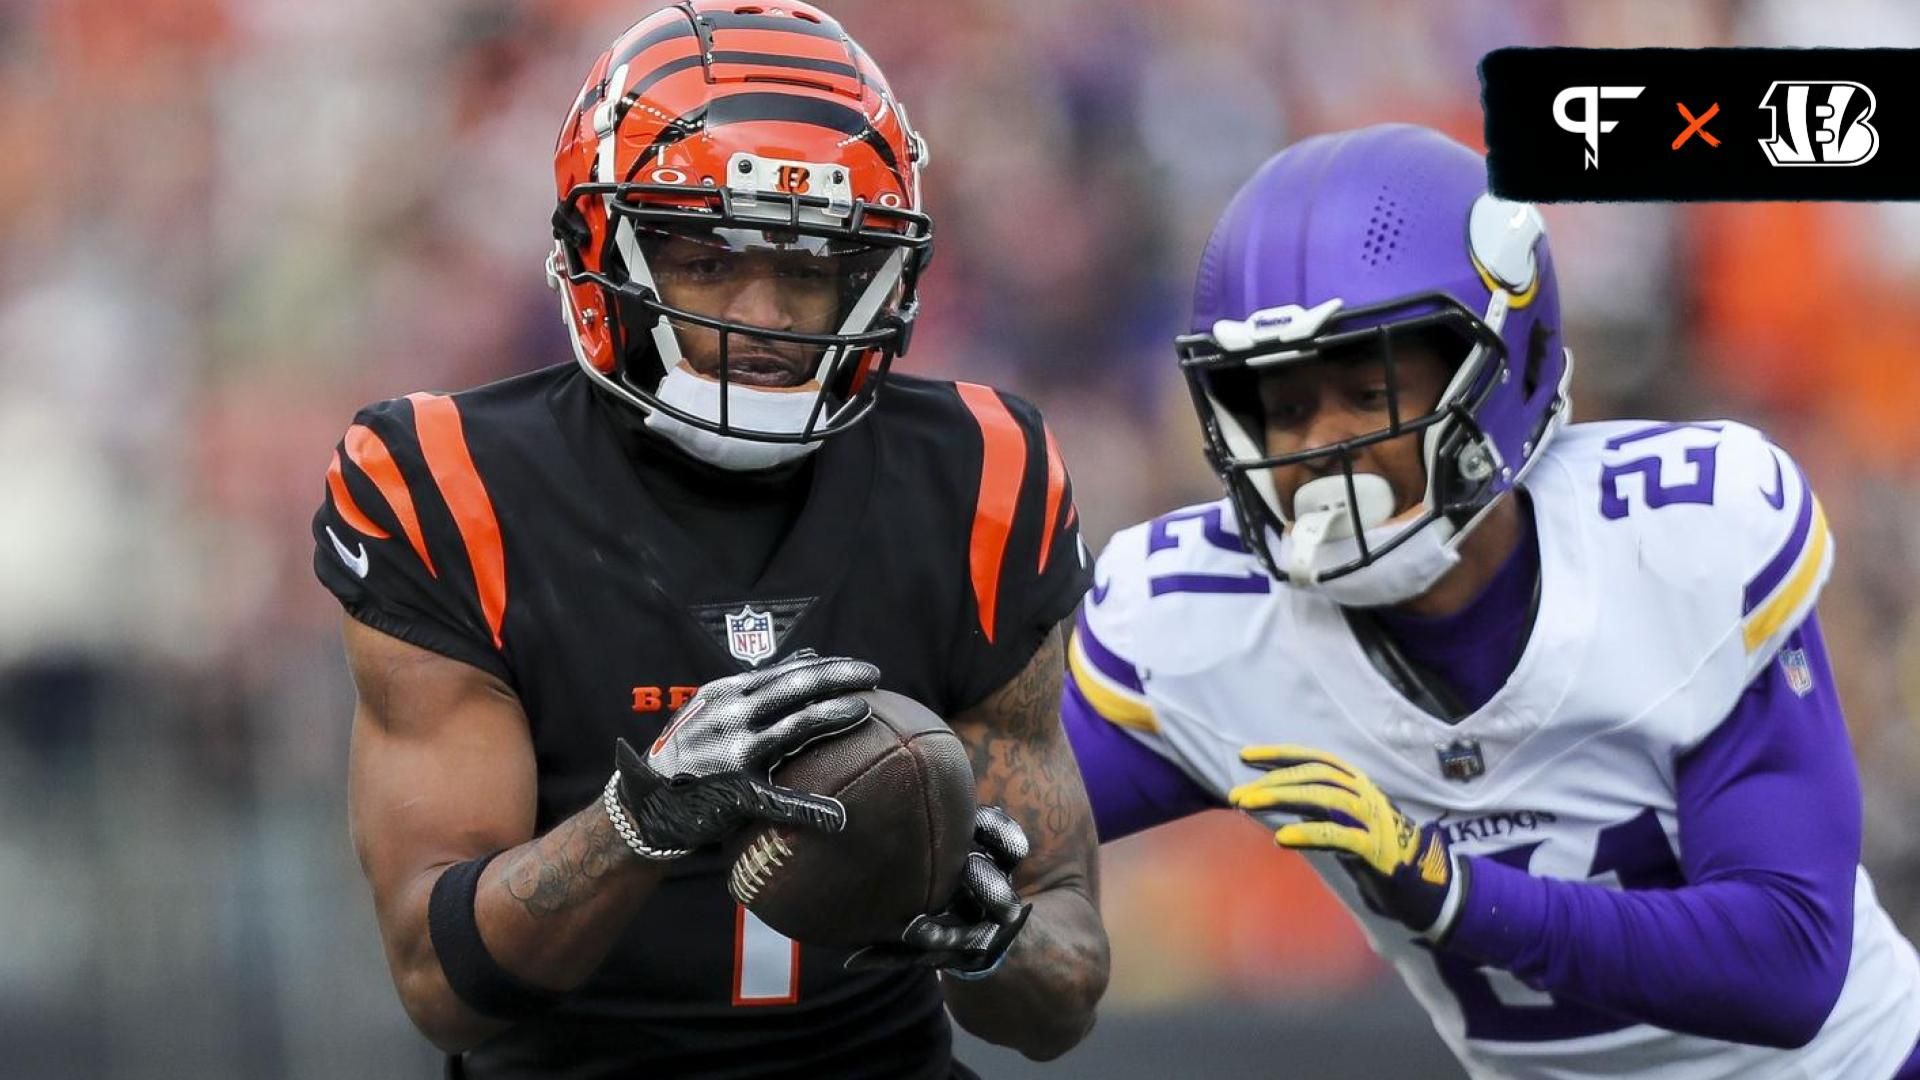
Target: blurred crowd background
[{"x": 228, "y": 223}]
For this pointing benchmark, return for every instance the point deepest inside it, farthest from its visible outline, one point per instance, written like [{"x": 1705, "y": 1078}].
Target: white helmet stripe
[
  {"x": 1244, "y": 448},
  {"x": 604, "y": 165},
  {"x": 639, "y": 273},
  {"x": 860, "y": 317}
]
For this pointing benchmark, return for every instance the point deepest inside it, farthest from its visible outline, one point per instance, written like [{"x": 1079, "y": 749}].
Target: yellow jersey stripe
[
  {"x": 1115, "y": 704},
  {"x": 1769, "y": 617}
]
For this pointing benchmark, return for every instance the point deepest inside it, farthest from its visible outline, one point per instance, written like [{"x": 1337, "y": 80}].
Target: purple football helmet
[{"x": 1362, "y": 238}]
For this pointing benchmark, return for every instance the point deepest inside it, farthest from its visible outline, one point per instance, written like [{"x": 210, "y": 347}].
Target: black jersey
[{"x": 506, "y": 527}]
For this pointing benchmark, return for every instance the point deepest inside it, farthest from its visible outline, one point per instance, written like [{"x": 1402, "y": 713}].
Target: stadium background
[{"x": 227, "y": 223}]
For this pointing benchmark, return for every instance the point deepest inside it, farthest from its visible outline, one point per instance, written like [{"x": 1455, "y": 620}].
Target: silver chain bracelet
[{"x": 622, "y": 824}]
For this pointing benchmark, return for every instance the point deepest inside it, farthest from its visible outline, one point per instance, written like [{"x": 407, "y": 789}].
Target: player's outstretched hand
[
  {"x": 971, "y": 937},
  {"x": 706, "y": 776},
  {"x": 1404, "y": 869}
]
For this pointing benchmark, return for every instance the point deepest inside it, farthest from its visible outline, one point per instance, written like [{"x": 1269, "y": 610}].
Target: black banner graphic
[{"x": 1586, "y": 125}]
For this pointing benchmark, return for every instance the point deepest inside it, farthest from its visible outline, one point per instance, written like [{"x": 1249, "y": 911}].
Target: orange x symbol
[{"x": 1697, "y": 125}]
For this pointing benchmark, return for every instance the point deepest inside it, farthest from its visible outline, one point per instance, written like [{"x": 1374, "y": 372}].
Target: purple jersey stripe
[
  {"x": 1210, "y": 583},
  {"x": 1105, "y": 661},
  {"x": 1776, "y": 570}
]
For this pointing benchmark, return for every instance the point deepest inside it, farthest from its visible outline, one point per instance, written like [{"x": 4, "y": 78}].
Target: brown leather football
[{"x": 908, "y": 788}]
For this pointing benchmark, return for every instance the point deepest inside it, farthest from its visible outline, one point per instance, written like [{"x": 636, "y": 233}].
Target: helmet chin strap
[{"x": 750, "y": 407}]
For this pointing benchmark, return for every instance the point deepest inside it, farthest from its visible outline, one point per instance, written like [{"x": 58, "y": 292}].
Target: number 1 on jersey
[{"x": 766, "y": 963}]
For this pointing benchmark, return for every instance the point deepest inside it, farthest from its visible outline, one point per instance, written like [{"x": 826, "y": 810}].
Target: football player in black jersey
[{"x": 589, "y": 607}]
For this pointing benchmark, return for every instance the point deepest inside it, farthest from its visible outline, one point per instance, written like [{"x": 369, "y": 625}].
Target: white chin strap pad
[
  {"x": 749, "y": 408},
  {"x": 1321, "y": 512}
]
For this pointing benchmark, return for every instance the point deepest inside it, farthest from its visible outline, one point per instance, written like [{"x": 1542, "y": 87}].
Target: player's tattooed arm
[
  {"x": 562, "y": 869},
  {"x": 1042, "y": 999},
  {"x": 442, "y": 772}
]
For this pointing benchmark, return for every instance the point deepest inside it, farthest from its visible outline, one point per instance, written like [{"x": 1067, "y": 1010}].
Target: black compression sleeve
[{"x": 476, "y": 977}]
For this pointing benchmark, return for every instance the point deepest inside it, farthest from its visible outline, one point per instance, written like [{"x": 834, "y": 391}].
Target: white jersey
[{"x": 1674, "y": 560}]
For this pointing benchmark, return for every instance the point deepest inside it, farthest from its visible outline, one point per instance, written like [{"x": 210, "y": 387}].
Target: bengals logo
[
  {"x": 1820, "y": 123},
  {"x": 792, "y": 179}
]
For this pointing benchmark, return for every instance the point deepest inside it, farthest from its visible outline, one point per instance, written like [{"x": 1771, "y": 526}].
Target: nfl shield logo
[
  {"x": 1461, "y": 759},
  {"x": 750, "y": 635},
  {"x": 1799, "y": 674}
]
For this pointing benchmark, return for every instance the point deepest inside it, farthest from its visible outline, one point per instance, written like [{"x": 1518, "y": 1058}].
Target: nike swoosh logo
[
  {"x": 359, "y": 564},
  {"x": 1778, "y": 496},
  {"x": 1100, "y": 590}
]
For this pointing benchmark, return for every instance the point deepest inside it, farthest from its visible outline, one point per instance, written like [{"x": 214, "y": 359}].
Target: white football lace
[{"x": 755, "y": 866}]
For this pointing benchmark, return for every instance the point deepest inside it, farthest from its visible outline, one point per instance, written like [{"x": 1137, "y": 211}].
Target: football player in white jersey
[{"x": 1546, "y": 702}]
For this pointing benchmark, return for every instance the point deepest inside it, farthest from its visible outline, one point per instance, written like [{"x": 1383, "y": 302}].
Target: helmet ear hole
[{"x": 1537, "y": 339}]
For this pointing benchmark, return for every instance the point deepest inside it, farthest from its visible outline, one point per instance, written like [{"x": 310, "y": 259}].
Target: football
[{"x": 907, "y": 785}]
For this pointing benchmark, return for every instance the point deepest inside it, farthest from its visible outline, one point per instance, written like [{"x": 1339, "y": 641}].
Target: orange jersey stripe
[
  {"x": 365, "y": 450},
  {"x": 350, "y": 511},
  {"x": 1056, "y": 487},
  {"x": 444, "y": 445},
  {"x": 1003, "y": 464}
]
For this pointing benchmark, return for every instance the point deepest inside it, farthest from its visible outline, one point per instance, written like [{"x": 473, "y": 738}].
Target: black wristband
[{"x": 476, "y": 977}]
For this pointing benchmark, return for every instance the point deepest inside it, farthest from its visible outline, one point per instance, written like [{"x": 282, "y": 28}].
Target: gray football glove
[
  {"x": 971, "y": 937},
  {"x": 706, "y": 776}
]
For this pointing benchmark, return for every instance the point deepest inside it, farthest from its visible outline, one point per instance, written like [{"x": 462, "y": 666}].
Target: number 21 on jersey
[
  {"x": 1662, "y": 481},
  {"x": 1634, "y": 854}
]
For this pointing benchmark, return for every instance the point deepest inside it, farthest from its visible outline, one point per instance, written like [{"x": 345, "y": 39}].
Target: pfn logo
[
  {"x": 1589, "y": 125},
  {"x": 1826, "y": 124}
]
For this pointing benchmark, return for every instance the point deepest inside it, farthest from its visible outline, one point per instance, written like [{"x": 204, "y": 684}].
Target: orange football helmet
[{"x": 743, "y": 128}]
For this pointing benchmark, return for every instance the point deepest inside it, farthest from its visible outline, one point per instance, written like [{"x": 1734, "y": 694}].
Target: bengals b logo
[
  {"x": 791, "y": 179},
  {"x": 1820, "y": 123}
]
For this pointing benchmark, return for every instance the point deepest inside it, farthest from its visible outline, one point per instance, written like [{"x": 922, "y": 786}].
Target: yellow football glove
[{"x": 1404, "y": 869}]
